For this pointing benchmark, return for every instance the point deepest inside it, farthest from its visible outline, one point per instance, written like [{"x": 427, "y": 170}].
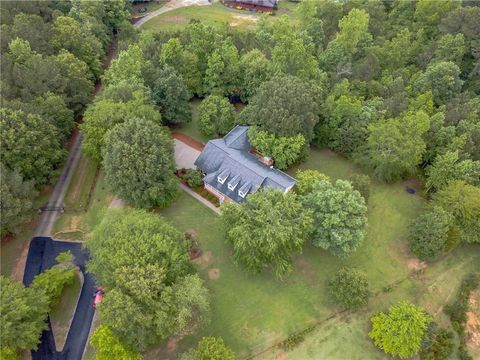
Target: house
[
  {"x": 252, "y": 5},
  {"x": 233, "y": 169}
]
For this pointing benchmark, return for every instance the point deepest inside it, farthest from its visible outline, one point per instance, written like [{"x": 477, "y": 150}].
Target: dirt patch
[
  {"x": 175, "y": 19},
  {"x": 281, "y": 356},
  {"x": 240, "y": 19},
  {"x": 473, "y": 322},
  {"x": 75, "y": 222},
  {"x": 329, "y": 152},
  {"x": 188, "y": 140},
  {"x": 172, "y": 343},
  {"x": 416, "y": 265},
  {"x": 204, "y": 260},
  {"x": 214, "y": 273}
]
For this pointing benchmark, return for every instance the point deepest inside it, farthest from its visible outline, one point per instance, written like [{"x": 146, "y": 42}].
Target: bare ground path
[{"x": 169, "y": 6}]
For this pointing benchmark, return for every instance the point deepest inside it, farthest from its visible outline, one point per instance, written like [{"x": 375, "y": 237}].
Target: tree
[
  {"x": 267, "y": 230},
  {"x": 395, "y": 147},
  {"x": 32, "y": 28},
  {"x": 22, "y": 312},
  {"x": 306, "y": 180},
  {"x": 52, "y": 281},
  {"x": 223, "y": 71},
  {"x": 450, "y": 48},
  {"x": 284, "y": 107},
  {"x": 53, "y": 108},
  {"x": 448, "y": 167},
  {"x": 139, "y": 164},
  {"x": 216, "y": 116},
  {"x": 361, "y": 183},
  {"x": 132, "y": 236},
  {"x": 117, "y": 105},
  {"x": 429, "y": 233},
  {"x": 255, "y": 70},
  {"x": 349, "y": 288},
  {"x": 285, "y": 151},
  {"x": 16, "y": 197},
  {"x": 76, "y": 79},
  {"x": 339, "y": 215},
  {"x": 127, "y": 67},
  {"x": 171, "y": 95},
  {"x": 443, "y": 79},
  {"x": 463, "y": 202},
  {"x": 401, "y": 330},
  {"x": 437, "y": 344},
  {"x": 210, "y": 348},
  {"x": 107, "y": 346},
  {"x": 69, "y": 35},
  {"x": 21, "y": 131}
]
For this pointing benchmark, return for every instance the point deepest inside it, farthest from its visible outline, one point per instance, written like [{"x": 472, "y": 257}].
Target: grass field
[
  {"x": 216, "y": 15},
  {"x": 83, "y": 181},
  {"x": 62, "y": 313},
  {"x": 74, "y": 225},
  {"x": 253, "y": 313}
]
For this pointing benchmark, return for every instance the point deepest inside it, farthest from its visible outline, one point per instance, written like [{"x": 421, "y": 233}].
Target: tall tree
[
  {"x": 267, "y": 230},
  {"x": 16, "y": 197},
  {"x": 127, "y": 67},
  {"x": 139, "y": 165},
  {"x": 339, "y": 215},
  {"x": 222, "y": 76},
  {"x": 429, "y": 233},
  {"x": 117, "y": 105},
  {"x": 171, "y": 96},
  {"x": 400, "y": 331},
  {"x": 255, "y": 69},
  {"x": 395, "y": 146},
  {"x": 283, "y": 106},
  {"x": 463, "y": 202},
  {"x": 22, "y": 312},
  {"x": 216, "y": 116},
  {"x": 210, "y": 348},
  {"x": 107, "y": 345},
  {"x": 21, "y": 131}
]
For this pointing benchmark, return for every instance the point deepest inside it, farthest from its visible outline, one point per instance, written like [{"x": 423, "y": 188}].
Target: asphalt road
[{"x": 41, "y": 257}]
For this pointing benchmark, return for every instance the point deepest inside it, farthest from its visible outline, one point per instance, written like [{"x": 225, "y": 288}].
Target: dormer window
[
  {"x": 223, "y": 176},
  {"x": 243, "y": 191},
  {"x": 232, "y": 184}
]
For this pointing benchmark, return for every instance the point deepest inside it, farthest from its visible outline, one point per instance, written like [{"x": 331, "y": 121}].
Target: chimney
[{"x": 266, "y": 160}]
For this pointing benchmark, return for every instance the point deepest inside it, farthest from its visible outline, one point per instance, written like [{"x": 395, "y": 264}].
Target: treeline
[{"x": 51, "y": 55}]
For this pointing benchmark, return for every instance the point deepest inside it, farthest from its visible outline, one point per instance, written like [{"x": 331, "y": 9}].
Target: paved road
[
  {"x": 41, "y": 257},
  {"x": 169, "y": 6}
]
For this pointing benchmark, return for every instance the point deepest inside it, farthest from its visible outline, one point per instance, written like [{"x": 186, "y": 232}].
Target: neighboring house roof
[
  {"x": 267, "y": 3},
  {"x": 230, "y": 157}
]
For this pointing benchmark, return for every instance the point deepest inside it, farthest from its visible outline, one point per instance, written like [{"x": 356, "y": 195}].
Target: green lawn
[
  {"x": 74, "y": 225},
  {"x": 255, "y": 312},
  {"x": 82, "y": 184},
  {"x": 62, "y": 312},
  {"x": 216, "y": 15}
]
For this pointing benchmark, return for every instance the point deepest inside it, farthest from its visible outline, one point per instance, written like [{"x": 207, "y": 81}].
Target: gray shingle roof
[{"x": 231, "y": 156}]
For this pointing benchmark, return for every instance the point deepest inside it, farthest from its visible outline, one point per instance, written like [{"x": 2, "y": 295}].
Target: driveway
[
  {"x": 41, "y": 257},
  {"x": 169, "y": 6},
  {"x": 185, "y": 155}
]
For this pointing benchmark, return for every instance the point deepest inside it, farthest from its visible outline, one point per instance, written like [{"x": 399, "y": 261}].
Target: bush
[
  {"x": 194, "y": 178},
  {"x": 296, "y": 339},
  {"x": 361, "y": 183},
  {"x": 429, "y": 233},
  {"x": 306, "y": 179},
  {"x": 437, "y": 343},
  {"x": 349, "y": 288}
]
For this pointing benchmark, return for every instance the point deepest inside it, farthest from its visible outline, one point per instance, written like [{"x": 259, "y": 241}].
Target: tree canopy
[
  {"x": 267, "y": 230},
  {"x": 139, "y": 165},
  {"x": 339, "y": 215}
]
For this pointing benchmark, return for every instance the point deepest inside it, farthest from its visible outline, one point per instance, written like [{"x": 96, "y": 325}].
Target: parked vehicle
[{"x": 98, "y": 294}]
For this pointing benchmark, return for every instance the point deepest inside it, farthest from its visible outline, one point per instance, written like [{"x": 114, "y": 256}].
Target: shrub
[
  {"x": 194, "y": 178},
  {"x": 361, "y": 183},
  {"x": 296, "y": 339},
  {"x": 429, "y": 233},
  {"x": 437, "y": 344},
  {"x": 349, "y": 288},
  {"x": 306, "y": 179},
  {"x": 388, "y": 330}
]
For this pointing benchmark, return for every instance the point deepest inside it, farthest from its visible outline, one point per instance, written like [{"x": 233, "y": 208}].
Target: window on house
[
  {"x": 232, "y": 184},
  {"x": 223, "y": 176}
]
